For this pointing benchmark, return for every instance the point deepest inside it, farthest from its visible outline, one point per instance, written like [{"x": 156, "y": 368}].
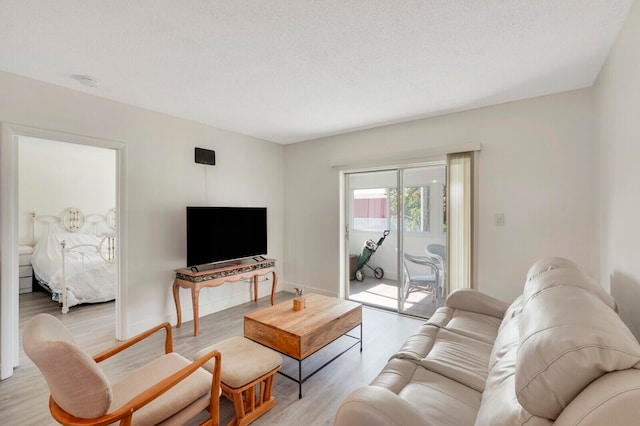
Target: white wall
[
  {"x": 161, "y": 179},
  {"x": 54, "y": 176},
  {"x": 617, "y": 141},
  {"x": 535, "y": 167}
]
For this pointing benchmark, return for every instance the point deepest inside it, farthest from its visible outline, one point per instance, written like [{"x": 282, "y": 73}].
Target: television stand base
[{"x": 218, "y": 275}]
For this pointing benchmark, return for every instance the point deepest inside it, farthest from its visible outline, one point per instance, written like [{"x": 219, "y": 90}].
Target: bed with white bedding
[{"x": 73, "y": 263}]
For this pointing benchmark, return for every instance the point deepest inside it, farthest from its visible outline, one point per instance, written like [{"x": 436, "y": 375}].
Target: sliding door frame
[
  {"x": 416, "y": 159},
  {"x": 347, "y": 209}
]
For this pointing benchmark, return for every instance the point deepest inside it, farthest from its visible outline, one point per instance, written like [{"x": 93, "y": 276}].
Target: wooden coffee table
[{"x": 299, "y": 334}]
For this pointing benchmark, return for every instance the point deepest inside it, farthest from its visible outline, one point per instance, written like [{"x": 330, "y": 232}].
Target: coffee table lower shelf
[{"x": 300, "y": 380}]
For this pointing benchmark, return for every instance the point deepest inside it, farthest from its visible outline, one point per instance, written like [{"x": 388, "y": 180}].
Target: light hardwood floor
[{"x": 24, "y": 396}]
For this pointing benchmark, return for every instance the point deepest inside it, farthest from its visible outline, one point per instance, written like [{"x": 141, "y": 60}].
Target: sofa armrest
[
  {"x": 376, "y": 406},
  {"x": 470, "y": 300}
]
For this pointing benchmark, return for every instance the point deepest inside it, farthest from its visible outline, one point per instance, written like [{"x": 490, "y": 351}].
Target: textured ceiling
[{"x": 293, "y": 70}]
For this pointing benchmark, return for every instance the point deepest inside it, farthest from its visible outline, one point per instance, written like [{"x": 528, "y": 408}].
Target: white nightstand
[{"x": 26, "y": 271}]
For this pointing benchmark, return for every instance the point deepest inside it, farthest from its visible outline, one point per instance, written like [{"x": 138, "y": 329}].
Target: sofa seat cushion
[
  {"x": 459, "y": 358},
  {"x": 568, "y": 338},
  {"x": 441, "y": 400},
  {"x": 194, "y": 389},
  {"x": 452, "y": 355},
  {"x": 438, "y": 399}
]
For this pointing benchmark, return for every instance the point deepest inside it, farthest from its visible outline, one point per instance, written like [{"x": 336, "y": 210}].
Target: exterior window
[
  {"x": 370, "y": 209},
  {"x": 376, "y": 209},
  {"x": 417, "y": 208}
]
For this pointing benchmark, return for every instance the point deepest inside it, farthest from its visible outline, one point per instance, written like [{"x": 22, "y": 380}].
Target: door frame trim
[{"x": 9, "y": 318}]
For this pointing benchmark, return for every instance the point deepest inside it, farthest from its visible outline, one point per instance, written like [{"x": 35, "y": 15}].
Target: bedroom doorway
[
  {"x": 11, "y": 239},
  {"x": 66, "y": 194}
]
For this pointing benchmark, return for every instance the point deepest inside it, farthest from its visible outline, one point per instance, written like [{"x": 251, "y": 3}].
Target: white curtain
[{"x": 459, "y": 219}]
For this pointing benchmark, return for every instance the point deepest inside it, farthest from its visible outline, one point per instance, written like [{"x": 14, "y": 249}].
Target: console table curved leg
[
  {"x": 195, "y": 280},
  {"x": 255, "y": 288},
  {"x": 273, "y": 286},
  {"x": 176, "y": 299},
  {"x": 195, "y": 293}
]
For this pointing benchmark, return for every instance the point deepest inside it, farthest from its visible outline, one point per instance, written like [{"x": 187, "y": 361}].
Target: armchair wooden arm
[
  {"x": 168, "y": 343},
  {"x": 125, "y": 413}
]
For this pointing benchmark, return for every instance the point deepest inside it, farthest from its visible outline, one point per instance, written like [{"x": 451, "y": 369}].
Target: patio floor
[{"x": 384, "y": 294}]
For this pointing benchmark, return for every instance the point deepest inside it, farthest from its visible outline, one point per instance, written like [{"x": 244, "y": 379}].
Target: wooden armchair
[{"x": 168, "y": 390}]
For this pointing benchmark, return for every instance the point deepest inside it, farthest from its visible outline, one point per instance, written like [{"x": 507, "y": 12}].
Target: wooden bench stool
[{"x": 246, "y": 376}]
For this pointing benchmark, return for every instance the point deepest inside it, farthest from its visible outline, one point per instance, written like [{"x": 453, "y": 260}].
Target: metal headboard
[{"x": 73, "y": 219}]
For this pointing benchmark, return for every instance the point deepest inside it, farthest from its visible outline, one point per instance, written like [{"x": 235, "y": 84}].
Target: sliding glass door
[
  {"x": 396, "y": 239},
  {"x": 423, "y": 239},
  {"x": 372, "y": 238}
]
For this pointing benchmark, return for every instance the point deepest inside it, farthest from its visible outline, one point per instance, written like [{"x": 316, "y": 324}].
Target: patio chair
[
  {"x": 427, "y": 281},
  {"x": 168, "y": 389},
  {"x": 439, "y": 254}
]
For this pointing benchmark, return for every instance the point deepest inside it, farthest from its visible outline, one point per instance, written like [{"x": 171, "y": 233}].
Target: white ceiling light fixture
[{"x": 86, "y": 80}]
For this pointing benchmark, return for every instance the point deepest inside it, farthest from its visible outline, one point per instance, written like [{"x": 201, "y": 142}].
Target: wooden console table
[{"x": 228, "y": 273}]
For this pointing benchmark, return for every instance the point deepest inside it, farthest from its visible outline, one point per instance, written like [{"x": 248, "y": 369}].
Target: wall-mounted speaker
[{"x": 205, "y": 156}]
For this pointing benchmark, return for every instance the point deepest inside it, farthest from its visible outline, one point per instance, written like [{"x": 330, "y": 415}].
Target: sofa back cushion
[
  {"x": 508, "y": 339},
  {"x": 568, "y": 338},
  {"x": 548, "y": 264},
  {"x": 499, "y": 405},
  {"x": 566, "y": 277}
]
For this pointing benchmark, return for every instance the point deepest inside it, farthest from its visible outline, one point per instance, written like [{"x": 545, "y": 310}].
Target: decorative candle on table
[{"x": 299, "y": 302}]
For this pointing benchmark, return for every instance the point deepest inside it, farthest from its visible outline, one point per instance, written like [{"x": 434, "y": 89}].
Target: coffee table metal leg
[{"x": 299, "y": 379}]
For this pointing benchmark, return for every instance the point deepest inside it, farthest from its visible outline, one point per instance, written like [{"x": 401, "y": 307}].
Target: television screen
[{"x": 216, "y": 234}]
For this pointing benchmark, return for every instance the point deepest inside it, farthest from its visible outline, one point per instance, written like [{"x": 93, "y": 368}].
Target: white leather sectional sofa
[{"x": 557, "y": 355}]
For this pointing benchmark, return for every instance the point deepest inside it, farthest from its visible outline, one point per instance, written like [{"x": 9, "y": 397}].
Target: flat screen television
[{"x": 216, "y": 234}]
